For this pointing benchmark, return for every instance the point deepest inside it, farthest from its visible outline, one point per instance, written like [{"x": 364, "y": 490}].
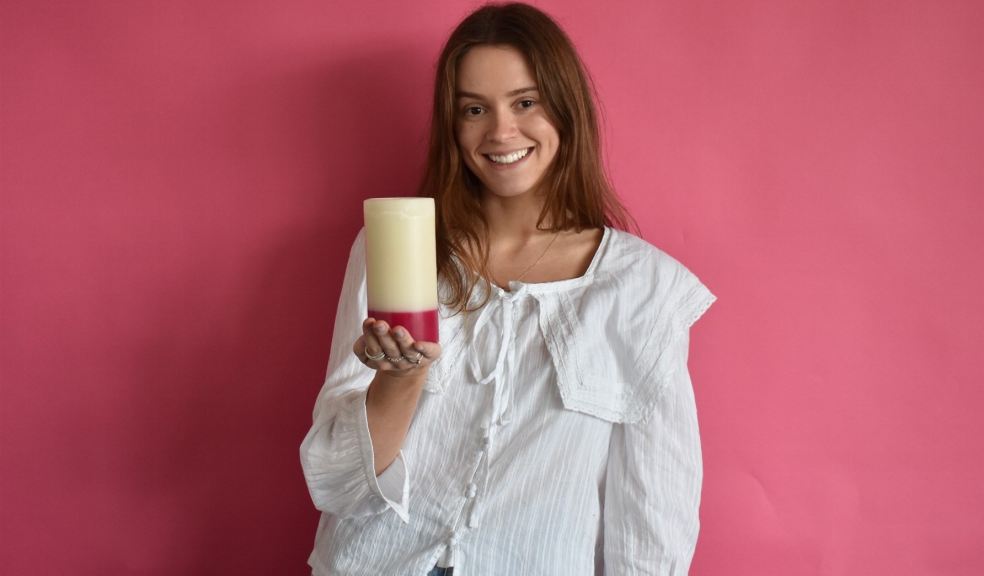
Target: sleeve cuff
[
  {"x": 394, "y": 487},
  {"x": 337, "y": 459},
  {"x": 393, "y": 484}
]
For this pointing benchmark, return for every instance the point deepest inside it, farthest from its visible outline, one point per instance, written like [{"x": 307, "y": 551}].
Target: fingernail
[{"x": 400, "y": 333}]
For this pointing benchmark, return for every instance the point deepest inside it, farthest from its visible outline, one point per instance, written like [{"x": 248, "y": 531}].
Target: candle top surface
[{"x": 410, "y": 207}]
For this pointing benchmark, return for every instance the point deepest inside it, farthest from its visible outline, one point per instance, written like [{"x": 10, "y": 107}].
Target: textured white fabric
[{"x": 557, "y": 434}]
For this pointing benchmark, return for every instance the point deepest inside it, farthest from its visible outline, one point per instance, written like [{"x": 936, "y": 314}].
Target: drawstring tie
[{"x": 504, "y": 303}]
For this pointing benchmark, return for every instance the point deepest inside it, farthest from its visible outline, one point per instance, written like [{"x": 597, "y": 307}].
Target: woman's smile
[{"x": 506, "y": 160}]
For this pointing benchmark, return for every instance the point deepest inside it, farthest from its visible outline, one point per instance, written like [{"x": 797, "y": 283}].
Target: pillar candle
[{"x": 401, "y": 264}]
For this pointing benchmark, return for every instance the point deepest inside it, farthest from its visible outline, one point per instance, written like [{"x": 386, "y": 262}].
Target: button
[
  {"x": 473, "y": 518},
  {"x": 472, "y": 490},
  {"x": 505, "y": 418},
  {"x": 486, "y": 441}
]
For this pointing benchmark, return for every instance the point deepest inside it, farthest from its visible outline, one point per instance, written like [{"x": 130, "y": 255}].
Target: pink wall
[{"x": 180, "y": 182}]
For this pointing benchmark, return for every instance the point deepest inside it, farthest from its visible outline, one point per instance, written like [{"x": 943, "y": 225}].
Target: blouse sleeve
[
  {"x": 336, "y": 454},
  {"x": 653, "y": 482}
]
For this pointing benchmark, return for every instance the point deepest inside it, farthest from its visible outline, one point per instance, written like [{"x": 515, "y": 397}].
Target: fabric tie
[{"x": 504, "y": 304}]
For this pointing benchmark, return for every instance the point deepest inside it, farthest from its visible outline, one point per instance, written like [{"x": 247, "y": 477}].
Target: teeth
[{"x": 509, "y": 158}]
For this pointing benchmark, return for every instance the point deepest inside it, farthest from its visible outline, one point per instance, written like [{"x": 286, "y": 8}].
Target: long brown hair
[{"x": 577, "y": 191}]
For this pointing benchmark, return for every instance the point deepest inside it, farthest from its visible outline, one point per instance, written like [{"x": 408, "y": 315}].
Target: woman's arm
[
  {"x": 390, "y": 405},
  {"x": 652, "y": 490},
  {"x": 655, "y": 467},
  {"x": 351, "y": 455}
]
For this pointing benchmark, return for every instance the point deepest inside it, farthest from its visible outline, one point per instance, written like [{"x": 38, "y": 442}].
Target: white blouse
[{"x": 557, "y": 434}]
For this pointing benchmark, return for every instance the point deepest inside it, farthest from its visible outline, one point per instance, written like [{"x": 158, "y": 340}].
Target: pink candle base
[{"x": 421, "y": 325}]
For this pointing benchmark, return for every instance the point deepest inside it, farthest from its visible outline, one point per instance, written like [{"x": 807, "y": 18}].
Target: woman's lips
[{"x": 508, "y": 160}]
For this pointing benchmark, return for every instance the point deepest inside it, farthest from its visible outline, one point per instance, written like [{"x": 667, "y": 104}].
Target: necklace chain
[{"x": 537, "y": 261}]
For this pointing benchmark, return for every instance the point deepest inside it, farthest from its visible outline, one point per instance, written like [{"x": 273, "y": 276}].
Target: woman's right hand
[{"x": 403, "y": 356}]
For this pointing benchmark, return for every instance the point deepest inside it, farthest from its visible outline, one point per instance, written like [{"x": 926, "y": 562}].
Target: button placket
[
  {"x": 453, "y": 541},
  {"x": 471, "y": 493},
  {"x": 499, "y": 412},
  {"x": 473, "y": 516}
]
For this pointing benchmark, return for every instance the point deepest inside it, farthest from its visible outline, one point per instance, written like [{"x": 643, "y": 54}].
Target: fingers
[
  {"x": 387, "y": 342},
  {"x": 430, "y": 350},
  {"x": 371, "y": 349},
  {"x": 394, "y": 349},
  {"x": 406, "y": 343}
]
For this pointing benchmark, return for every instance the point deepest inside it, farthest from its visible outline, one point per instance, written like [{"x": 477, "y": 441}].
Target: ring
[
  {"x": 414, "y": 360},
  {"x": 394, "y": 360},
  {"x": 379, "y": 356}
]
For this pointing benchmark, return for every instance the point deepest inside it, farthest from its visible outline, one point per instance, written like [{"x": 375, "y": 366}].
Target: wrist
[{"x": 393, "y": 382}]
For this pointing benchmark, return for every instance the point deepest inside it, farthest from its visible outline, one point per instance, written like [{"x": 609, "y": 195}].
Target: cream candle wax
[{"x": 401, "y": 264}]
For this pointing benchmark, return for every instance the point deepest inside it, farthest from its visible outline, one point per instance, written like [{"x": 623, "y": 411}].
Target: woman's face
[{"x": 503, "y": 131}]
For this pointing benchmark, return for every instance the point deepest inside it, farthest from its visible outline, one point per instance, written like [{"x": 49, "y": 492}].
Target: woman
[{"x": 553, "y": 429}]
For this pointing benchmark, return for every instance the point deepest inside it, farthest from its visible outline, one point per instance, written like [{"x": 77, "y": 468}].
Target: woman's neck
[{"x": 513, "y": 219}]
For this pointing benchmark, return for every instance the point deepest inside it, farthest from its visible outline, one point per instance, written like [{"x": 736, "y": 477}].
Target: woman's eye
[
  {"x": 473, "y": 110},
  {"x": 527, "y": 103}
]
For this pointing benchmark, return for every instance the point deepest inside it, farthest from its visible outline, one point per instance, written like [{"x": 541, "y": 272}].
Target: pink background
[{"x": 181, "y": 181}]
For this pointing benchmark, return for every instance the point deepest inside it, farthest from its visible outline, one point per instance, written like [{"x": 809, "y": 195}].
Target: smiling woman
[
  {"x": 553, "y": 430},
  {"x": 506, "y": 138}
]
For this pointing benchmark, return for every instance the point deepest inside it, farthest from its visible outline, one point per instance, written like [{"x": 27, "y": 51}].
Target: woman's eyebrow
[{"x": 516, "y": 92}]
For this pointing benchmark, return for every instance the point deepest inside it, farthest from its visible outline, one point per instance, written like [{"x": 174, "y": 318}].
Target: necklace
[{"x": 537, "y": 261}]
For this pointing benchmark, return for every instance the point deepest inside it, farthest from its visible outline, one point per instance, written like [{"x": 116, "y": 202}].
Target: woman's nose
[{"x": 503, "y": 127}]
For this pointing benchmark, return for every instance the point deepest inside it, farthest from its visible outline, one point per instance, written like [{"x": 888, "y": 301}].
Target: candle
[{"x": 401, "y": 264}]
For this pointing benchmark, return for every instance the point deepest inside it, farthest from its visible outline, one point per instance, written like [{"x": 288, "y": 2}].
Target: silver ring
[
  {"x": 394, "y": 360},
  {"x": 414, "y": 360},
  {"x": 379, "y": 356}
]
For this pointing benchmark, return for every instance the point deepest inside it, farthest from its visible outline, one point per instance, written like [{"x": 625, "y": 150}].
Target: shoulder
[
  {"x": 651, "y": 281},
  {"x": 637, "y": 263},
  {"x": 639, "y": 301},
  {"x": 628, "y": 254}
]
